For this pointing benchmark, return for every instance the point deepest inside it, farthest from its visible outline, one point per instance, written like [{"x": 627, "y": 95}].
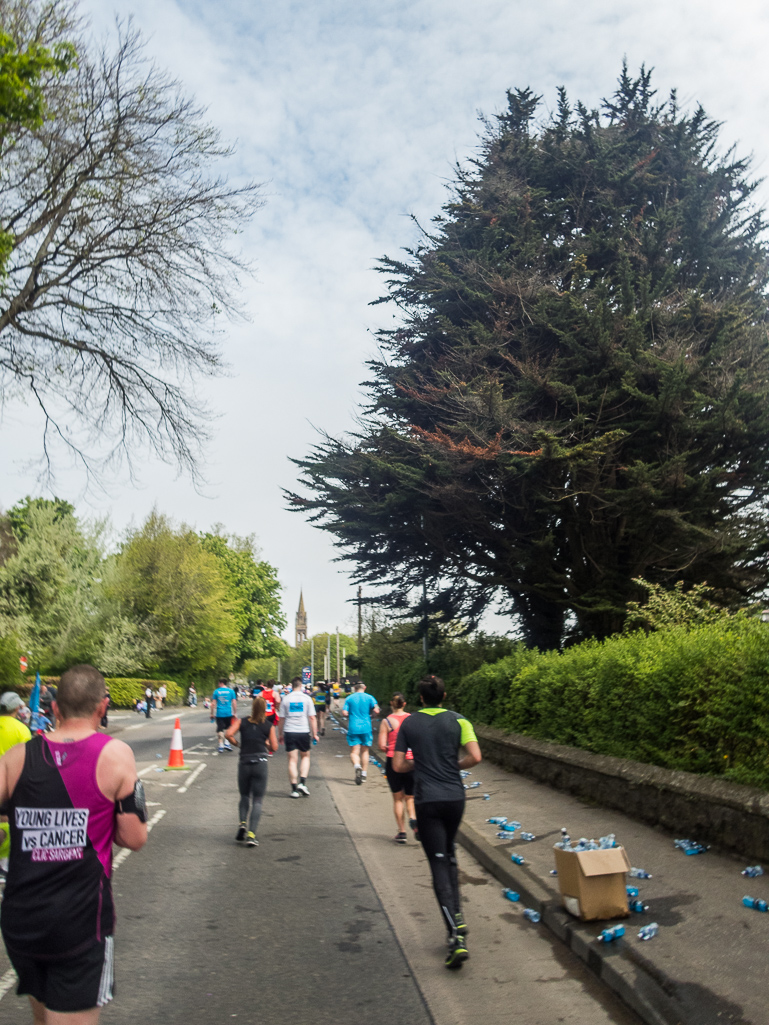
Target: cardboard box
[{"x": 593, "y": 882}]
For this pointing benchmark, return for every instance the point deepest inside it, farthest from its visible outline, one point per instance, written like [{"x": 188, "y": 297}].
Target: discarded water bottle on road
[
  {"x": 531, "y": 914},
  {"x": 647, "y": 932},
  {"x": 510, "y": 827},
  {"x": 638, "y": 873},
  {"x": 503, "y": 836},
  {"x": 755, "y": 903},
  {"x": 474, "y": 785},
  {"x": 690, "y": 846},
  {"x": 509, "y": 894},
  {"x": 528, "y": 836},
  {"x": 638, "y": 906},
  {"x": 553, "y": 871},
  {"x": 497, "y": 820},
  {"x": 752, "y": 871},
  {"x": 464, "y": 773},
  {"x": 609, "y": 935},
  {"x": 518, "y": 859},
  {"x": 487, "y": 797},
  {"x": 632, "y": 891}
]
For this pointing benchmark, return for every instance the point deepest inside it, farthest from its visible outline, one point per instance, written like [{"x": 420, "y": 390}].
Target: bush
[
  {"x": 694, "y": 699},
  {"x": 125, "y": 692}
]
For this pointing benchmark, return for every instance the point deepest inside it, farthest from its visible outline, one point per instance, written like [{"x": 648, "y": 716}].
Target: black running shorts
[
  {"x": 72, "y": 983},
  {"x": 297, "y": 741},
  {"x": 222, "y": 725},
  {"x": 399, "y": 780}
]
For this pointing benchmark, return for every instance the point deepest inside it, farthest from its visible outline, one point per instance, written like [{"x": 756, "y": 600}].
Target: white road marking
[
  {"x": 193, "y": 777},
  {"x": 7, "y": 982},
  {"x": 123, "y": 853}
]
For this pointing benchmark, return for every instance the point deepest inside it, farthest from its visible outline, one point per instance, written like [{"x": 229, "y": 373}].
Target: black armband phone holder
[{"x": 135, "y": 803}]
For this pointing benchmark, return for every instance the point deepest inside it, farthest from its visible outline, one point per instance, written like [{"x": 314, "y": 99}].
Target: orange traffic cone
[{"x": 176, "y": 754}]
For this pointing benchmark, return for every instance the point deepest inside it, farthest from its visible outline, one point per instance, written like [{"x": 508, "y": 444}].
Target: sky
[{"x": 352, "y": 115}]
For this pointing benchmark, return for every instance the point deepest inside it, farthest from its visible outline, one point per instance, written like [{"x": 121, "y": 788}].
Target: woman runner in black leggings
[{"x": 257, "y": 736}]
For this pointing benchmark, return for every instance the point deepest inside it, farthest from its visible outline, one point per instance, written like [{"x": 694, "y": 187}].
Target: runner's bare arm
[
  {"x": 116, "y": 778},
  {"x": 472, "y": 755},
  {"x": 382, "y": 738},
  {"x": 230, "y": 734},
  {"x": 401, "y": 763},
  {"x": 11, "y": 765}
]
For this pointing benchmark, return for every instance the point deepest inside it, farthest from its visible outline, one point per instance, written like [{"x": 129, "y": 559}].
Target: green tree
[
  {"x": 577, "y": 394},
  {"x": 254, "y": 593},
  {"x": 49, "y": 573},
  {"x": 168, "y": 585}
]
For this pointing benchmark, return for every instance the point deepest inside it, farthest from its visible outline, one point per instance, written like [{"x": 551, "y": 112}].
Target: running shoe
[
  {"x": 294, "y": 793},
  {"x": 460, "y": 924},
  {"x": 227, "y": 746},
  {"x": 241, "y": 834},
  {"x": 363, "y": 775},
  {"x": 400, "y": 838},
  {"x": 358, "y": 776},
  {"x": 458, "y": 953},
  {"x": 220, "y": 749},
  {"x": 251, "y": 840},
  {"x": 302, "y": 788}
]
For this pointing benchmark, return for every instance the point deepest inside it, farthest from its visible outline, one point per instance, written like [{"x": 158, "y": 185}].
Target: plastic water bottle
[
  {"x": 609, "y": 935},
  {"x": 638, "y": 873},
  {"x": 498, "y": 820},
  {"x": 606, "y": 842},
  {"x": 647, "y": 932},
  {"x": 690, "y": 846},
  {"x": 638, "y": 906},
  {"x": 511, "y": 895},
  {"x": 632, "y": 891},
  {"x": 510, "y": 827},
  {"x": 464, "y": 773},
  {"x": 755, "y": 903},
  {"x": 518, "y": 859},
  {"x": 474, "y": 785},
  {"x": 752, "y": 871},
  {"x": 553, "y": 871},
  {"x": 531, "y": 914},
  {"x": 487, "y": 797},
  {"x": 503, "y": 836},
  {"x": 528, "y": 836}
]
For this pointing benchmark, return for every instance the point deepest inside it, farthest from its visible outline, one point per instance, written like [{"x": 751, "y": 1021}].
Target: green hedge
[
  {"x": 694, "y": 699},
  {"x": 123, "y": 692}
]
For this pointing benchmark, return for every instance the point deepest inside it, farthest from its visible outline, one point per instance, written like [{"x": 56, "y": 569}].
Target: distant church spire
[{"x": 301, "y": 622}]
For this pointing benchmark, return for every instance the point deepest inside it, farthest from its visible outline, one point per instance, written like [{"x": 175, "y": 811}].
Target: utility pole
[
  {"x": 344, "y": 662},
  {"x": 360, "y": 619},
  {"x": 312, "y": 661},
  {"x": 328, "y": 653},
  {"x": 338, "y": 673}
]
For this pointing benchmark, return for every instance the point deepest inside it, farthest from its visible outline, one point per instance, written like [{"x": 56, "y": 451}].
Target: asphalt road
[{"x": 327, "y": 921}]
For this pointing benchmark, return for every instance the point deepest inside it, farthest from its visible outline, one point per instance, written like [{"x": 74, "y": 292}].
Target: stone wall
[{"x": 701, "y": 807}]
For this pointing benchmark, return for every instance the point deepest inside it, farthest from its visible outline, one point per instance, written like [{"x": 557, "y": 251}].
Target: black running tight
[
  {"x": 438, "y": 822},
  {"x": 252, "y": 783}
]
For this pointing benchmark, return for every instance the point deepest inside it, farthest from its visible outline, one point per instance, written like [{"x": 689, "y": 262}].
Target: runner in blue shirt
[
  {"x": 224, "y": 704},
  {"x": 358, "y": 709}
]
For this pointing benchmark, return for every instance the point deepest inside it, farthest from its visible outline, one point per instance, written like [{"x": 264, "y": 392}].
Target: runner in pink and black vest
[{"x": 68, "y": 796}]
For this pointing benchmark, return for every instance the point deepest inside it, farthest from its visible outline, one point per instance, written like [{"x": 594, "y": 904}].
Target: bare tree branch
[{"x": 122, "y": 260}]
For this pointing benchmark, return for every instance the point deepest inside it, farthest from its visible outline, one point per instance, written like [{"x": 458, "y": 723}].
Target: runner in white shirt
[{"x": 296, "y": 724}]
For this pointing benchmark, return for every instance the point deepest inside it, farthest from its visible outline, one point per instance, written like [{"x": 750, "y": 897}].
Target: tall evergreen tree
[{"x": 576, "y": 394}]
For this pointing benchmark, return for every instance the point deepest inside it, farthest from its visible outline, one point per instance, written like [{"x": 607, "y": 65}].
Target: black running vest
[{"x": 51, "y": 908}]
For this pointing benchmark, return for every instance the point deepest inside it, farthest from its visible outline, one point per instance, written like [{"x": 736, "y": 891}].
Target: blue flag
[{"x": 34, "y": 698}]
